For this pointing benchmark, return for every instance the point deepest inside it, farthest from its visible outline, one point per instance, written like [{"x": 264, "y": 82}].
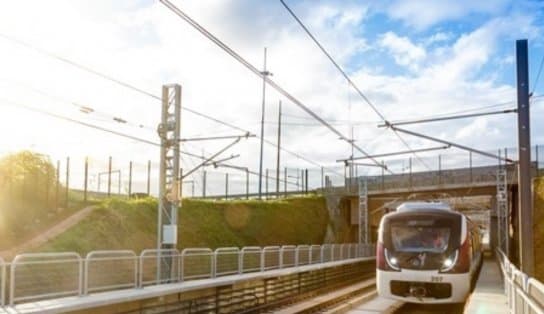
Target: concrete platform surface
[{"x": 488, "y": 296}]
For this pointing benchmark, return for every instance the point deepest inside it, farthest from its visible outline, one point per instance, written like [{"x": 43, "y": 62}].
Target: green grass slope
[{"x": 122, "y": 224}]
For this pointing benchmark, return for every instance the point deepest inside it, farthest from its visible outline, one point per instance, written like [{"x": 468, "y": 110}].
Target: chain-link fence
[{"x": 75, "y": 179}]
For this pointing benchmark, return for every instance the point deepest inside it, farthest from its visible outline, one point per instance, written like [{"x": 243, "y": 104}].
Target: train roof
[{"x": 418, "y": 206}]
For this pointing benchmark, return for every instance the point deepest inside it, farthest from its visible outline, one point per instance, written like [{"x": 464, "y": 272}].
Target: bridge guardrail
[
  {"x": 98, "y": 277},
  {"x": 270, "y": 258},
  {"x": 524, "y": 294},
  {"x": 250, "y": 259},
  {"x": 44, "y": 276},
  {"x": 226, "y": 261},
  {"x": 288, "y": 256},
  {"x": 149, "y": 262},
  {"x": 315, "y": 254},
  {"x": 196, "y": 263},
  {"x": 302, "y": 255}
]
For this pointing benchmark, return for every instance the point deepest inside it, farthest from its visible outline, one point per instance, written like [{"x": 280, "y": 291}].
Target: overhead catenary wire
[
  {"x": 257, "y": 72},
  {"x": 87, "y": 109},
  {"x": 93, "y": 126},
  {"x": 361, "y": 94},
  {"x": 144, "y": 92},
  {"x": 535, "y": 83},
  {"x": 96, "y": 127}
]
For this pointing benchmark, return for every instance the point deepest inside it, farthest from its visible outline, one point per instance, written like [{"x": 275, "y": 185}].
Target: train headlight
[
  {"x": 392, "y": 261},
  {"x": 449, "y": 262}
]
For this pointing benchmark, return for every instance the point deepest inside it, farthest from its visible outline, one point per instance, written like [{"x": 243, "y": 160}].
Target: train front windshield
[{"x": 416, "y": 238}]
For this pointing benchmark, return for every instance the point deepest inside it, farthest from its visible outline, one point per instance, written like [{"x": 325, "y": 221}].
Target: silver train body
[{"x": 427, "y": 253}]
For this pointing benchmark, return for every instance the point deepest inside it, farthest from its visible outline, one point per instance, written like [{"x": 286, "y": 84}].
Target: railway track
[{"x": 336, "y": 301}]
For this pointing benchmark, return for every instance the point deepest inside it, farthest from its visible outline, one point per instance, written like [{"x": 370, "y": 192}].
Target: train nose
[{"x": 418, "y": 291}]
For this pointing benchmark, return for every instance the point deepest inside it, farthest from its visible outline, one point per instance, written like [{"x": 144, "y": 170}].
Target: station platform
[{"x": 488, "y": 295}]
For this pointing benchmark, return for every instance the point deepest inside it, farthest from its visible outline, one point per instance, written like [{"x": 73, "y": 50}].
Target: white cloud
[
  {"x": 403, "y": 50},
  {"x": 422, "y": 14},
  {"x": 438, "y": 38}
]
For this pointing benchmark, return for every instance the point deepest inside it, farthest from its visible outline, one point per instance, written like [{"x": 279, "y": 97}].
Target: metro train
[{"x": 427, "y": 253}]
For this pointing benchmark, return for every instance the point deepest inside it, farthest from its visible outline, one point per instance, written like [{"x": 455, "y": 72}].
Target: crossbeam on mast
[
  {"x": 463, "y": 147},
  {"x": 463, "y": 116}
]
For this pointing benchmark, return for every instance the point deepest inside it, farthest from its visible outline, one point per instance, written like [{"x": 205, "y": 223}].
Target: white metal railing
[
  {"x": 315, "y": 254},
  {"x": 110, "y": 270},
  {"x": 302, "y": 255},
  {"x": 524, "y": 294},
  {"x": 270, "y": 258},
  {"x": 44, "y": 276},
  {"x": 226, "y": 261},
  {"x": 250, "y": 259},
  {"x": 37, "y": 276},
  {"x": 288, "y": 256},
  {"x": 149, "y": 266},
  {"x": 196, "y": 263}
]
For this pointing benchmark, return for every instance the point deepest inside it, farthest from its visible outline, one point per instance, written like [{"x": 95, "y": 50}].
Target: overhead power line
[
  {"x": 257, "y": 72},
  {"x": 146, "y": 93},
  {"x": 96, "y": 127},
  {"x": 538, "y": 75},
  {"x": 361, "y": 94},
  {"x": 87, "y": 109},
  {"x": 61, "y": 117},
  {"x": 333, "y": 61}
]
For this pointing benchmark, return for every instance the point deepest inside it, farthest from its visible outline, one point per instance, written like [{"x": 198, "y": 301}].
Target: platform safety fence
[
  {"x": 524, "y": 294},
  {"x": 44, "y": 276}
]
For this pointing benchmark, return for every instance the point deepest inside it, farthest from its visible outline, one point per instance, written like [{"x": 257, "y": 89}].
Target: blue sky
[{"x": 411, "y": 58}]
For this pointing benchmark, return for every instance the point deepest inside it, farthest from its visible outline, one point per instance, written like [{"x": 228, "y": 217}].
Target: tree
[{"x": 27, "y": 174}]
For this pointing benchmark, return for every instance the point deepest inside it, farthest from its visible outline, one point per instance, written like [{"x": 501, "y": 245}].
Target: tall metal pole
[
  {"x": 524, "y": 153},
  {"x": 57, "y": 185},
  {"x": 247, "y": 183},
  {"x": 226, "y": 186},
  {"x": 204, "y": 183},
  {"x": 109, "y": 176},
  {"x": 306, "y": 180},
  {"x": 278, "y": 154},
  {"x": 266, "y": 185},
  {"x": 149, "y": 177},
  {"x": 67, "y": 181},
  {"x": 264, "y": 73},
  {"x": 85, "y": 180},
  {"x": 169, "y": 177},
  {"x": 129, "y": 179},
  {"x": 285, "y": 181}
]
